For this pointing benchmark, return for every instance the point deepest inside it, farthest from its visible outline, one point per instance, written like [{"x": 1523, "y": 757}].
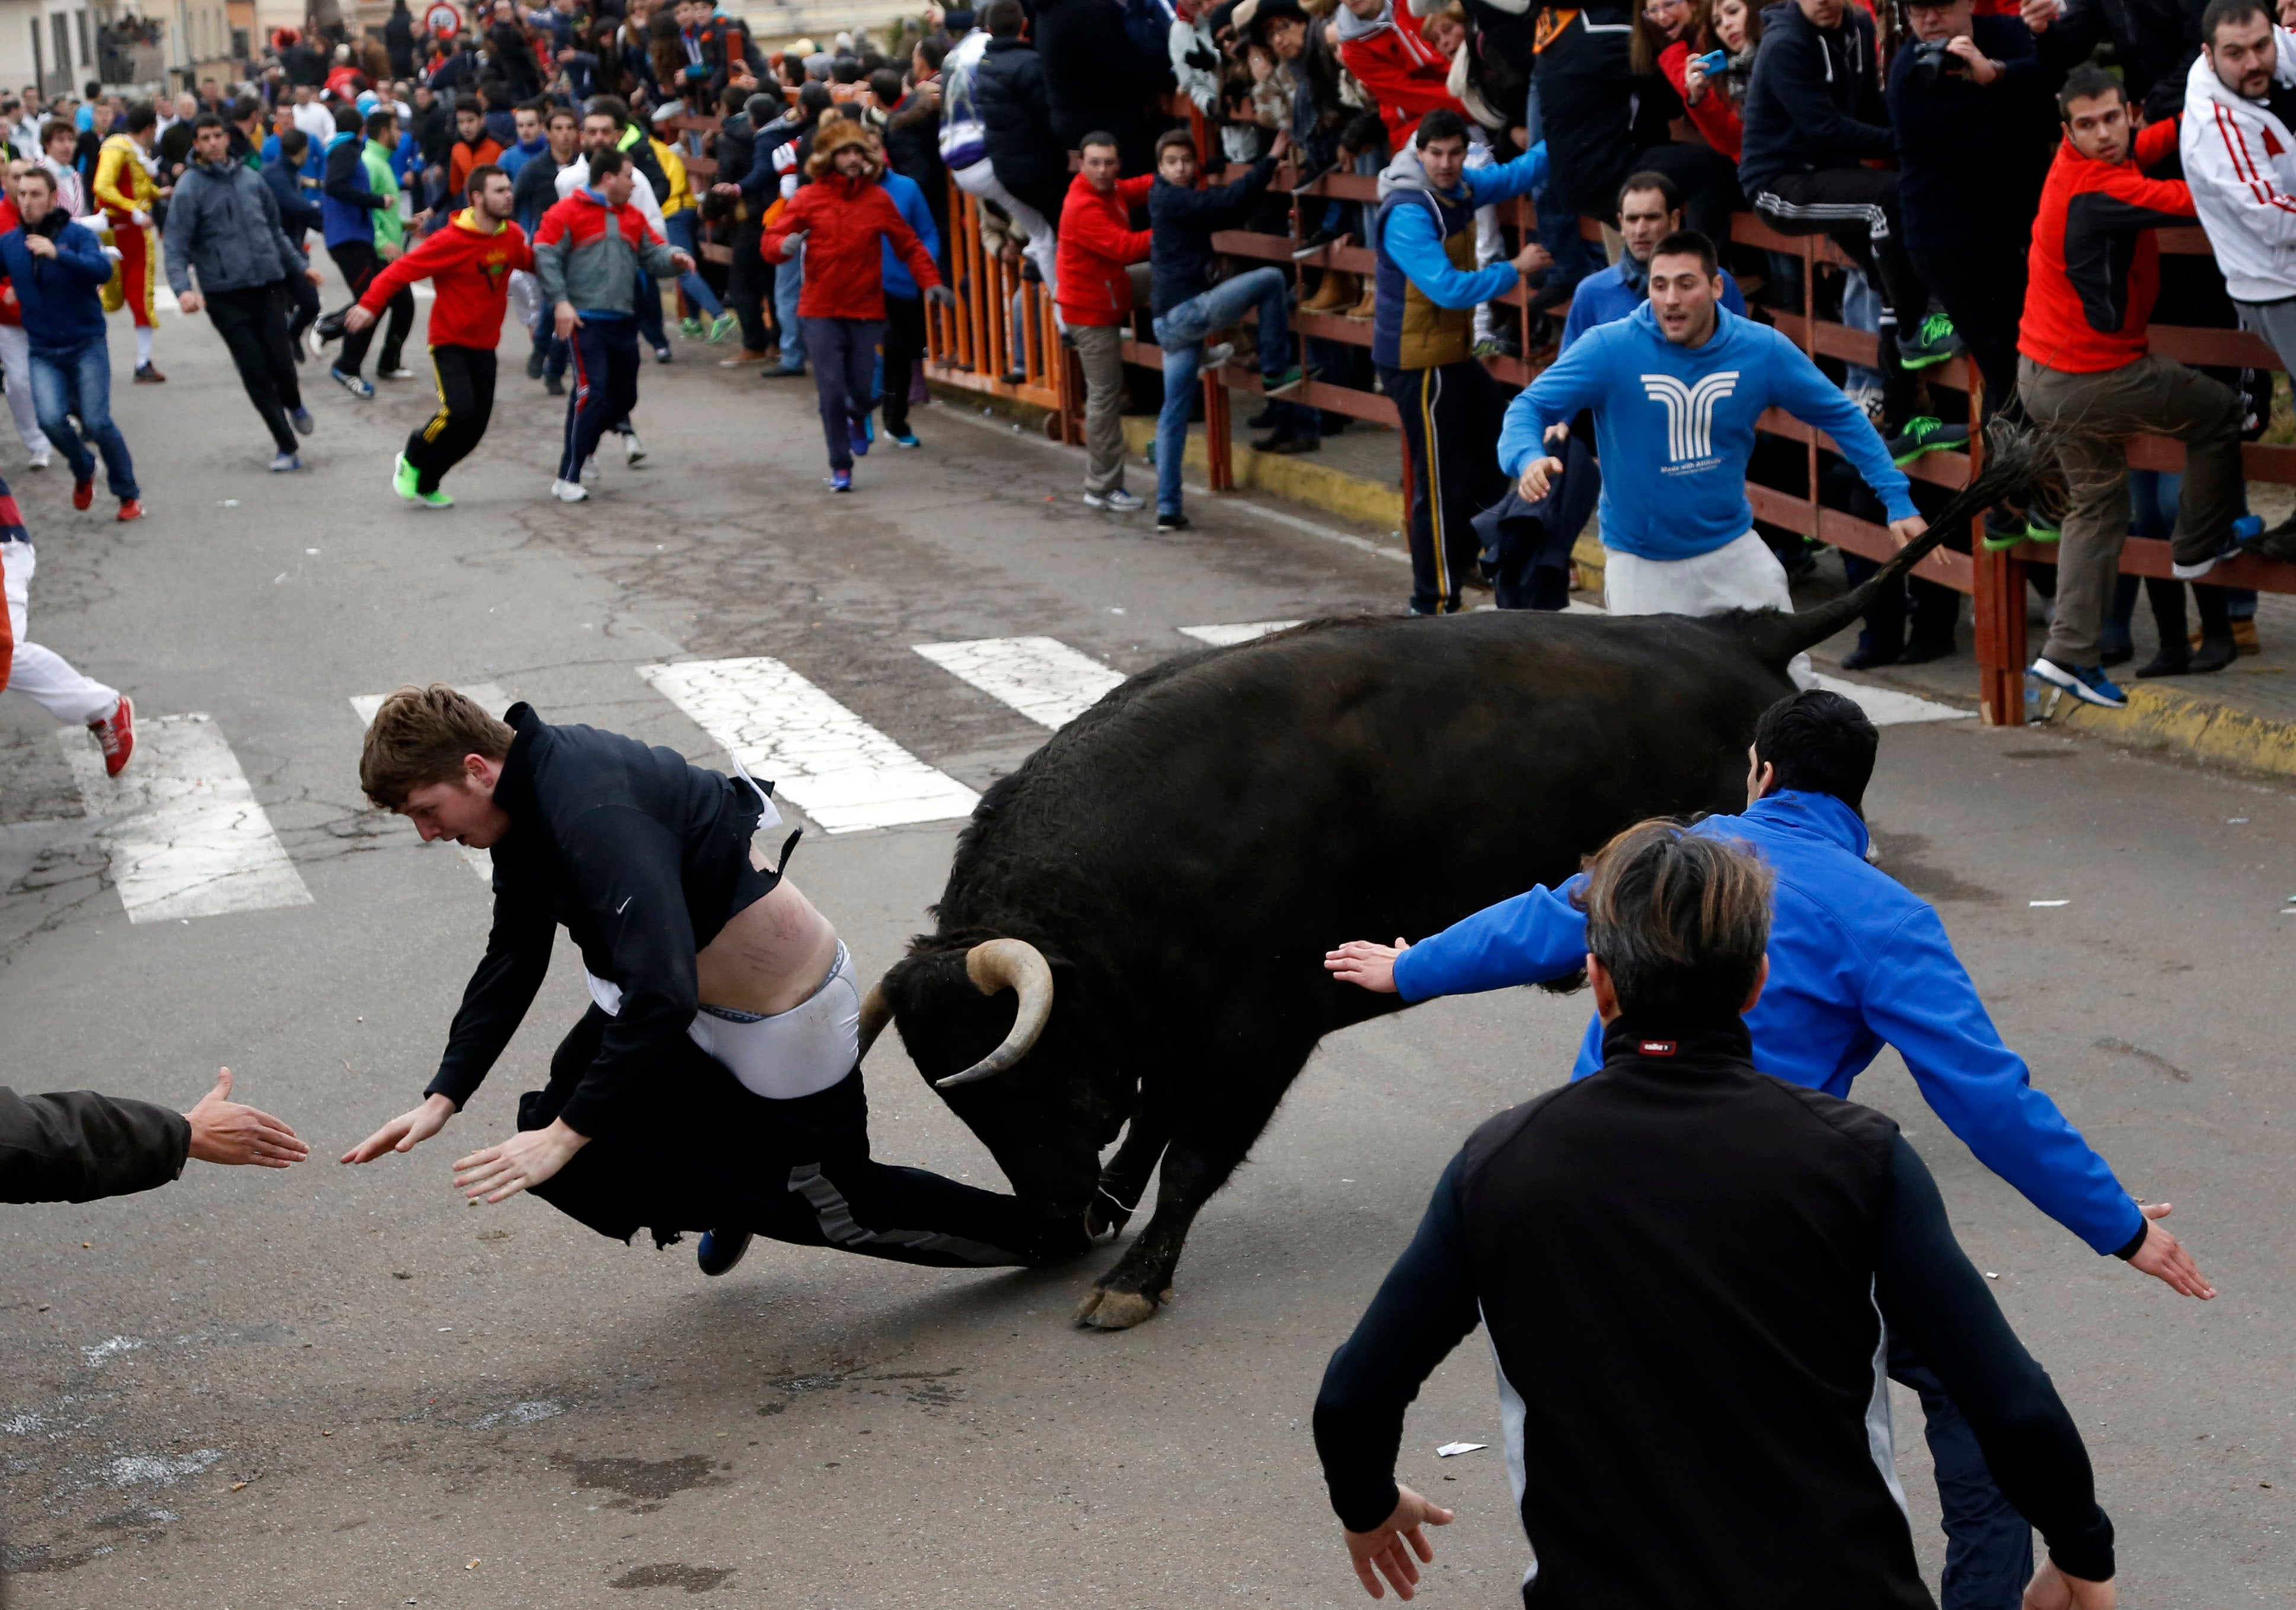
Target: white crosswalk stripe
[
  {"x": 187, "y": 837},
  {"x": 1042, "y": 677},
  {"x": 1887, "y": 707},
  {"x": 1227, "y": 636},
  {"x": 488, "y": 693},
  {"x": 819, "y": 755}
]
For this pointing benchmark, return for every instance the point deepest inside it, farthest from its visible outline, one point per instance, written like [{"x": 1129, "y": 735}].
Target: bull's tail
[{"x": 2012, "y": 457}]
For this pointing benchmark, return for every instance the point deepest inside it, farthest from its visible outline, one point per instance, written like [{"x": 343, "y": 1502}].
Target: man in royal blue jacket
[
  {"x": 1856, "y": 961},
  {"x": 1676, "y": 389},
  {"x": 59, "y": 269}
]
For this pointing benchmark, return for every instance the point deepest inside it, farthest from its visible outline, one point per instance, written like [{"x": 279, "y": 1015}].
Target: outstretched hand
[
  {"x": 225, "y": 1131},
  {"x": 499, "y": 1172},
  {"x": 405, "y": 1132},
  {"x": 1362, "y": 963},
  {"x": 2164, "y": 1258},
  {"x": 1387, "y": 1550},
  {"x": 357, "y": 320}
]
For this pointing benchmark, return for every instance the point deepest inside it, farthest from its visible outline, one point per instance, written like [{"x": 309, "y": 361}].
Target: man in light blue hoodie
[
  {"x": 1856, "y": 961},
  {"x": 1676, "y": 389}
]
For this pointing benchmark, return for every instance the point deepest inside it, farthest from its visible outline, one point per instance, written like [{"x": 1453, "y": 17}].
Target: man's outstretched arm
[{"x": 1529, "y": 940}]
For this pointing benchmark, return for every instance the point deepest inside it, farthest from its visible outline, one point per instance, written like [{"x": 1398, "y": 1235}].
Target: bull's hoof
[{"x": 1104, "y": 1309}]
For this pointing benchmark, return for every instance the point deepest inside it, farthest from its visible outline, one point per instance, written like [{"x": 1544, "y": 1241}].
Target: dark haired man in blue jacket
[
  {"x": 59, "y": 270},
  {"x": 1856, "y": 961},
  {"x": 1814, "y": 115}
]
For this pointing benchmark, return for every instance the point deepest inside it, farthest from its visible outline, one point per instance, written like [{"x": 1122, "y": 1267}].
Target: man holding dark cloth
[{"x": 1689, "y": 1271}]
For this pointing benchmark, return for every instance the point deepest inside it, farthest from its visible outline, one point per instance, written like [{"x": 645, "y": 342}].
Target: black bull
[{"x": 1182, "y": 854}]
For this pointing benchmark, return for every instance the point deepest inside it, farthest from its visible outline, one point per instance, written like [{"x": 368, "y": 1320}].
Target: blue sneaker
[
  {"x": 908, "y": 438},
  {"x": 859, "y": 440},
  {"x": 841, "y": 481},
  {"x": 282, "y": 463},
  {"x": 2086, "y": 683},
  {"x": 302, "y": 421},
  {"x": 721, "y": 1250},
  {"x": 2242, "y": 529},
  {"x": 356, "y": 385}
]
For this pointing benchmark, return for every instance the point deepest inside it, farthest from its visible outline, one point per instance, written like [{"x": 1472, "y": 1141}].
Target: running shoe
[
  {"x": 116, "y": 735},
  {"x": 302, "y": 421},
  {"x": 316, "y": 337},
  {"x": 553, "y": 384},
  {"x": 720, "y": 328},
  {"x": 856, "y": 437},
  {"x": 358, "y": 386},
  {"x": 719, "y": 1251},
  {"x": 282, "y": 463},
  {"x": 2243, "y": 528},
  {"x": 83, "y": 493},
  {"x": 1932, "y": 341},
  {"x": 147, "y": 374},
  {"x": 1171, "y": 523},
  {"x": 1291, "y": 379},
  {"x": 841, "y": 481},
  {"x": 2086, "y": 683},
  {"x": 39, "y": 460},
  {"x": 1117, "y": 502},
  {"x": 632, "y": 449},
  {"x": 403, "y": 478},
  {"x": 662, "y": 355},
  {"x": 1923, "y": 435},
  {"x": 1215, "y": 357},
  {"x": 569, "y": 491},
  {"x": 534, "y": 361},
  {"x": 400, "y": 373},
  {"x": 437, "y": 499},
  {"x": 908, "y": 438},
  {"x": 590, "y": 467},
  {"x": 130, "y": 508},
  {"x": 690, "y": 328}
]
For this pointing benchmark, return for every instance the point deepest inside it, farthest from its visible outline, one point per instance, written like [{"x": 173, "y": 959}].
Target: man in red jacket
[
  {"x": 844, "y": 218},
  {"x": 469, "y": 263},
  {"x": 1099, "y": 251},
  {"x": 2085, "y": 372}
]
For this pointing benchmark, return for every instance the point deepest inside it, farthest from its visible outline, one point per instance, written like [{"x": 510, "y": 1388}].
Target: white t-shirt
[{"x": 317, "y": 122}]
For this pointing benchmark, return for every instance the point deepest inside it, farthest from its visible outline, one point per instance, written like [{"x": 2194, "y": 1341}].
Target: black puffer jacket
[
  {"x": 77, "y": 1146},
  {"x": 1009, "y": 92},
  {"x": 1099, "y": 81}
]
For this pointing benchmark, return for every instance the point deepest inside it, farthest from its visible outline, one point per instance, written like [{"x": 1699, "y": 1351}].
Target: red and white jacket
[
  {"x": 1405, "y": 76},
  {"x": 2241, "y": 163}
]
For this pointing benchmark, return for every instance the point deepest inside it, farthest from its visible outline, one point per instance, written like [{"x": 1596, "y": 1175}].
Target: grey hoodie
[{"x": 224, "y": 222}]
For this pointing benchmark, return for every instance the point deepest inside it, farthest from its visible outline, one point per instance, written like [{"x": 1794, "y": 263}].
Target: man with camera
[{"x": 1967, "y": 105}]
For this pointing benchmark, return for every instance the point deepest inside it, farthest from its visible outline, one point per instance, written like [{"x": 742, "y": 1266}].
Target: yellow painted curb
[
  {"x": 2192, "y": 723},
  {"x": 1281, "y": 475}
]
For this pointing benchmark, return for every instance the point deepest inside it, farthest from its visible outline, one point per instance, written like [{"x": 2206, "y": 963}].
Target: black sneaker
[
  {"x": 1923, "y": 434},
  {"x": 555, "y": 385},
  {"x": 1872, "y": 651},
  {"x": 1171, "y": 523},
  {"x": 534, "y": 361},
  {"x": 1285, "y": 443},
  {"x": 721, "y": 1250},
  {"x": 1930, "y": 342},
  {"x": 1318, "y": 242}
]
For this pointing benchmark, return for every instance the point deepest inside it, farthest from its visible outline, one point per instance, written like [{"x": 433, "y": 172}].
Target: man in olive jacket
[{"x": 77, "y": 1146}]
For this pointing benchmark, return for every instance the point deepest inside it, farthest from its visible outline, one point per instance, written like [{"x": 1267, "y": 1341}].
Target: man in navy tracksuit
[
  {"x": 1813, "y": 115},
  {"x": 1856, "y": 963}
]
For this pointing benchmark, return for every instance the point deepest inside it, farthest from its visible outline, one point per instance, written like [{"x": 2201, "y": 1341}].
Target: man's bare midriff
[{"x": 770, "y": 956}]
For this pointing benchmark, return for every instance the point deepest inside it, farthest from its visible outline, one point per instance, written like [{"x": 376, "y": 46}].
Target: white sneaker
[
  {"x": 590, "y": 467},
  {"x": 40, "y": 459},
  {"x": 569, "y": 491},
  {"x": 1119, "y": 502},
  {"x": 632, "y": 449},
  {"x": 401, "y": 372}
]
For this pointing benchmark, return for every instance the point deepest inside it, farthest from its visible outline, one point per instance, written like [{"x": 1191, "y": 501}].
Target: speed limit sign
[{"x": 442, "y": 19}]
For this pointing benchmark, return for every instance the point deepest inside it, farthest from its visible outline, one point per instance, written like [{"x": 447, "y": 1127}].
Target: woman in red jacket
[
  {"x": 1702, "y": 162},
  {"x": 843, "y": 216}
]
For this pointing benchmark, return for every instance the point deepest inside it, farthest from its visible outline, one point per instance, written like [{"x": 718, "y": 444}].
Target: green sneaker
[
  {"x": 1932, "y": 342},
  {"x": 402, "y": 480},
  {"x": 1923, "y": 434},
  {"x": 690, "y": 327},
  {"x": 1291, "y": 379},
  {"x": 721, "y": 326},
  {"x": 434, "y": 500}
]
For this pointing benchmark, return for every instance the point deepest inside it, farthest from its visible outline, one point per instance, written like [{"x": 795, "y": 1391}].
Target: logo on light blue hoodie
[{"x": 1690, "y": 417}]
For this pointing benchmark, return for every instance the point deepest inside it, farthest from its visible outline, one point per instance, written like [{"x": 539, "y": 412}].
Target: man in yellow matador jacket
[{"x": 125, "y": 190}]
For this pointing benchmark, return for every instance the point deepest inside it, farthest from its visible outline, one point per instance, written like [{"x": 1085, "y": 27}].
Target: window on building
[
  {"x": 86, "y": 45},
  {"x": 60, "y": 33}
]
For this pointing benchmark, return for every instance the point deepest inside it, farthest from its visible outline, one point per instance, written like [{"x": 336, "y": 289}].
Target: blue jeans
[
  {"x": 686, "y": 236},
  {"x": 1181, "y": 334},
  {"x": 789, "y": 280},
  {"x": 1989, "y": 1548},
  {"x": 77, "y": 382}
]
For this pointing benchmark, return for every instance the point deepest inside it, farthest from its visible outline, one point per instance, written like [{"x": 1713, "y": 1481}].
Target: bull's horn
[
  {"x": 1018, "y": 965},
  {"x": 876, "y": 1012}
]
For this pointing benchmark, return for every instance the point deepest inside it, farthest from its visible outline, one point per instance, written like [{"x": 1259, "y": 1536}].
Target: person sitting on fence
[
  {"x": 2086, "y": 374},
  {"x": 2239, "y": 154},
  {"x": 1422, "y": 339},
  {"x": 1676, "y": 389},
  {"x": 1008, "y": 100},
  {"x": 1100, "y": 252},
  {"x": 1189, "y": 306}
]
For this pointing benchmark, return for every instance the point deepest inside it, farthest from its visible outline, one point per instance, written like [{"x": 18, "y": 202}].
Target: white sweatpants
[
  {"x": 16, "y": 365},
  {"x": 979, "y": 182},
  {"x": 1489, "y": 245},
  {"x": 1743, "y": 574},
  {"x": 41, "y": 674}
]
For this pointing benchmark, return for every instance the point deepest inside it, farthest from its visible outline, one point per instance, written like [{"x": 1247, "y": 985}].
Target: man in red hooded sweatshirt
[
  {"x": 469, "y": 263},
  {"x": 844, "y": 217},
  {"x": 1099, "y": 250}
]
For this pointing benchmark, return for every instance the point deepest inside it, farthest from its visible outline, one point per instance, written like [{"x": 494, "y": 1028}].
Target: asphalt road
[{"x": 344, "y": 1387}]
